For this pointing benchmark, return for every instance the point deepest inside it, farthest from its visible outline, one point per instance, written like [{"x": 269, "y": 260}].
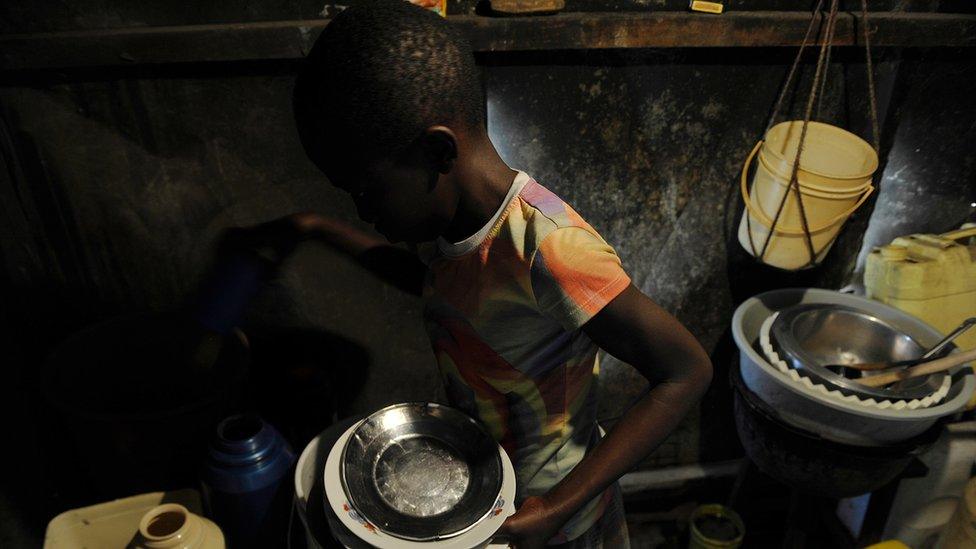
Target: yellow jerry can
[{"x": 930, "y": 276}]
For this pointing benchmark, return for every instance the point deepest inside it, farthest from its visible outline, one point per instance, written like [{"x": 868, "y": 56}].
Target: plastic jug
[
  {"x": 930, "y": 276},
  {"x": 242, "y": 482}
]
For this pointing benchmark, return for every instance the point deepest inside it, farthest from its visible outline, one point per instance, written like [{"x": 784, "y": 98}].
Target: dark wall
[
  {"x": 135, "y": 179},
  {"x": 929, "y": 184},
  {"x": 127, "y": 179}
]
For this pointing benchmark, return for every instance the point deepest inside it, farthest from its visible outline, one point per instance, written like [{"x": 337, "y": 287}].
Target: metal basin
[
  {"x": 813, "y": 336},
  {"x": 421, "y": 471}
]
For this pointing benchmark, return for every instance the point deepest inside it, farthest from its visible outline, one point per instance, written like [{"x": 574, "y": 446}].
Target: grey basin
[{"x": 841, "y": 421}]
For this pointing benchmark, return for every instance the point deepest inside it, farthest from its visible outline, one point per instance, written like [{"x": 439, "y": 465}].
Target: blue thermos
[{"x": 245, "y": 482}]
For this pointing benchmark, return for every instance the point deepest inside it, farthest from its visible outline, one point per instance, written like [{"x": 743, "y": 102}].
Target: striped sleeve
[{"x": 575, "y": 273}]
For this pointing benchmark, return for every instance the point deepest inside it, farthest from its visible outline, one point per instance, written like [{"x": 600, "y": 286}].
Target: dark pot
[{"x": 810, "y": 463}]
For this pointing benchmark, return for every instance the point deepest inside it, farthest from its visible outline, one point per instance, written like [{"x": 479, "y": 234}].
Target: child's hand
[{"x": 534, "y": 524}]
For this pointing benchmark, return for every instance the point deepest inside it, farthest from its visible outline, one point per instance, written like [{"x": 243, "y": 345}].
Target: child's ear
[{"x": 440, "y": 148}]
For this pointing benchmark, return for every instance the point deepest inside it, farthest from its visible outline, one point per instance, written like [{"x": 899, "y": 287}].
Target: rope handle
[
  {"x": 761, "y": 216},
  {"x": 796, "y": 63},
  {"x": 828, "y": 41}
]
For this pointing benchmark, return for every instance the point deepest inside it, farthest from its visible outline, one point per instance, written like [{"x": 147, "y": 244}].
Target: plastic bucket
[
  {"x": 834, "y": 159},
  {"x": 834, "y": 180}
]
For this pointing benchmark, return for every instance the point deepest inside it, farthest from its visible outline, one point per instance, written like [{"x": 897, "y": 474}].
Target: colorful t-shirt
[{"x": 504, "y": 311}]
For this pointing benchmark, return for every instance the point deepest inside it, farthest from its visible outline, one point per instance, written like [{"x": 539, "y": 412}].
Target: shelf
[{"x": 566, "y": 31}]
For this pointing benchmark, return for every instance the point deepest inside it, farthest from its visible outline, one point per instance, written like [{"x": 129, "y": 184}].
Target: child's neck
[{"x": 482, "y": 186}]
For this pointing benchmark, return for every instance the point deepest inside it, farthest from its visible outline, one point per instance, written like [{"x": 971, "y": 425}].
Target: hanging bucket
[{"x": 834, "y": 179}]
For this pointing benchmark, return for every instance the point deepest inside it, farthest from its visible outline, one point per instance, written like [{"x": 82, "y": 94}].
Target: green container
[{"x": 715, "y": 526}]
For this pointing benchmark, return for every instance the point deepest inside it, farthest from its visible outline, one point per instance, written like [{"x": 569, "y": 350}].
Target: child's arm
[
  {"x": 392, "y": 264},
  {"x": 635, "y": 330}
]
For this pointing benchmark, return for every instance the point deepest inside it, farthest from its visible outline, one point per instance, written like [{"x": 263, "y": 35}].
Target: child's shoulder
[{"x": 544, "y": 213}]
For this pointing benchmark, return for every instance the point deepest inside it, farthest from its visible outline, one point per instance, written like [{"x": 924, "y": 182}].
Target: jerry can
[{"x": 930, "y": 276}]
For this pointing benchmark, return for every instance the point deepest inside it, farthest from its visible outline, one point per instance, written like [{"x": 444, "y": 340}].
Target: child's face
[{"x": 403, "y": 200}]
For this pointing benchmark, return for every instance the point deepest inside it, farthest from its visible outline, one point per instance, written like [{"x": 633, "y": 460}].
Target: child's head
[{"x": 381, "y": 103}]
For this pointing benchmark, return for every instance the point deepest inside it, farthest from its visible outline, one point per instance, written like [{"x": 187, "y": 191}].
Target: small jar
[
  {"x": 715, "y": 526},
  {"x": 172, "y": 526}
]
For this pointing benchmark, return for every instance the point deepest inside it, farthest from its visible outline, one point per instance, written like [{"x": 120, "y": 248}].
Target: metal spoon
[
  {"x": 961, "y": 329},
  {"x": 935, "y": 352}
]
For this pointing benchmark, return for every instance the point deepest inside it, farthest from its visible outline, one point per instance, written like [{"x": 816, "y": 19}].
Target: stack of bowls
[
  {"x": 818, "y": 339},
  {"x": 410, "y": 475},
  {"x": 421, "y": 471},
  {"x": 836, "y": 419}
]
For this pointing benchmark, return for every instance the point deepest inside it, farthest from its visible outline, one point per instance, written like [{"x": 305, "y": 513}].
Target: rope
[
  {"x": 831, "y": 27},
  {"x": 796, "y": 63},
  {"x": 875, "y": 126},
  {"x": 794, "y": 182},
  {"x": 778, "y": 106},
  {"x": 819, "y": 81}
]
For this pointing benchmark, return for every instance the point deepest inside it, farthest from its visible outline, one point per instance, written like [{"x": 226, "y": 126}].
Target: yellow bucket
[
  {"x": 834, "y": 179},
  {"x": 834, "y": 159}
]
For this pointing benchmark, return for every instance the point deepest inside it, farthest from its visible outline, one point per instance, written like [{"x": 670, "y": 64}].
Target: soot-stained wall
[{"x": 136, "y": 175}]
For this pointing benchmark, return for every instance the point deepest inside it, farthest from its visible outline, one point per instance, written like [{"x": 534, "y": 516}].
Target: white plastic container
[{"x": 111, "y": 524}]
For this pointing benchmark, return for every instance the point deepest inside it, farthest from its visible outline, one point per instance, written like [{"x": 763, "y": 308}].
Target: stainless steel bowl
[
  {"x": 810, "y": 337},
  {"x": 421, "y": 471}
]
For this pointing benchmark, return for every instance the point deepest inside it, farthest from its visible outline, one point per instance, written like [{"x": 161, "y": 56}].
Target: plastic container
[
  {"x": 932, "y": 277},
  {"x": 834, "y": 159},
  {"x": 307, "y": 482},
  {"x": 172, "y": 526},
  {"x": 136, "y": 402},
  {"x": 715, "y": 526},
  {"x": 242, "y": 479},
  {"x": 111, "y": 524},
  {"x": 929, "y": 522},
  {"x": 834, "y": 179}
]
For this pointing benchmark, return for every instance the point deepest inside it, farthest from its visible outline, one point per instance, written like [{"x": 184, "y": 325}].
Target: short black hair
[{"x": 380, "y": 73}]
